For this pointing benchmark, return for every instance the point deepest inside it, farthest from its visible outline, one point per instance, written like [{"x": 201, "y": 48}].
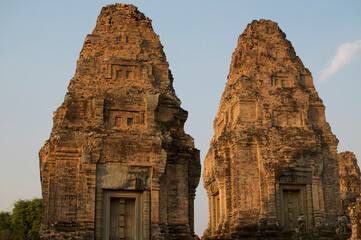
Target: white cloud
[{"x": 344, "y": 55}]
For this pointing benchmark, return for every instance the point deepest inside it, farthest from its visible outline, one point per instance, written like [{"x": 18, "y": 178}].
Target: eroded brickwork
[
  {"x": 350, "y": 185},
  {"x": 118, "y": 140},
  {"x": 271, "y": 171}
]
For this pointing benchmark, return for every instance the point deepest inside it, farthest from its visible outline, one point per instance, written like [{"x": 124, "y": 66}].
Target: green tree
[
  {"x": 24, "y": 222},
  {"x": 5, "y": 226}
]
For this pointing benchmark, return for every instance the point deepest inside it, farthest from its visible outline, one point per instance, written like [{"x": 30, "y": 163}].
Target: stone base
[
  {"x": 73, "y": 232},
  {"x": 180, "y": 231},
  {"x": 61, "y": 232},
  {"x": 171, "y": 232},
  {"x": 254, "y": 232},
  {"x": 282, "y": 236}
]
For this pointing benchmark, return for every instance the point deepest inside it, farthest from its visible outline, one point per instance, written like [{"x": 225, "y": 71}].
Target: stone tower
[
  {"x": 118, "y": 164},
  {"x": 350, "y": 185},
  {"x": 271, "y": 171},
  {"x": 350, "y": 178}
]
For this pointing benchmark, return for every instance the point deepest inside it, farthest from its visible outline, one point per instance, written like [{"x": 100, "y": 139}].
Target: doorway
[
  {"x": 293, "y": 205},
  {"x": 122, "y": 219}
]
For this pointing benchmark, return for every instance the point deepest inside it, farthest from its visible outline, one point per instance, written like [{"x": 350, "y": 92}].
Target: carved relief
[
  {"x": 316, "y": 114},
  {"x": 124, "y": 73},
  {"x": 287, "y": 117},
  {"x": 126, "y": 119},
  {"x": 119, "y": 70},
  {"x": 301, "y": 221},
  {"x": 244, "y": 110},
  {"x": 247, "y": 110},
  {"x": 343, "y": 226},
  {"x": 277, "y": 52},
  {"x": 282, "y": 80},
  {"x": 295, "y": 175}
]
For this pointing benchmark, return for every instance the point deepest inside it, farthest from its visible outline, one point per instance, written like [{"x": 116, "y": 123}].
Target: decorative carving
[
  {"x": 342, "y": 225},
  {"x": 287, "y": 117},
  {"x": 301, "y": 221},
  {"x": 123, "y": 73},
  {"x": 126, "y": 119},
  {"x": 281, "y": 80},
  {"x": 295, "y": 175},
  {"x": 245, "y": 110}
]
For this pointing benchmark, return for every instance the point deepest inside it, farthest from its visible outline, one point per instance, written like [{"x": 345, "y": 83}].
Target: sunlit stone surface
[
  {"x": 118, "y": 164},
  {"x": 271, "y": 171}
]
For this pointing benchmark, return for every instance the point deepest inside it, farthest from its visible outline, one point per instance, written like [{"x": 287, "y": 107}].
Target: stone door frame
[
  {"x": 303, "y": 201},
  {"x": 142, "y": 212},
  {"x": 296, "y": 179}
]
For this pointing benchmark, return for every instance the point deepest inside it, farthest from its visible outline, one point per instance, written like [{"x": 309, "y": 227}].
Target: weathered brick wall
[
  {"x": 119, "y": 131},
  {"x": 272, "y": 162},
  {"x": 350, "y": 185}
]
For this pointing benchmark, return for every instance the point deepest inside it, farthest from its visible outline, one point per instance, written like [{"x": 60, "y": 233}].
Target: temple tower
[
  {"x": 271, "y": 171},
  {"x": 118, "y": 164}
]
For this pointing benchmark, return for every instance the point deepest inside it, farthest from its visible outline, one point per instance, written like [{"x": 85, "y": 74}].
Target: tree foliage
[{"x": 24, "y": 222}]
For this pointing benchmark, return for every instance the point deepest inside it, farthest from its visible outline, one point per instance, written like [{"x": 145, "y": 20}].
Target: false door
[
  {"x": 122, "y": 219},
  {"x": 293, "y": 205}
]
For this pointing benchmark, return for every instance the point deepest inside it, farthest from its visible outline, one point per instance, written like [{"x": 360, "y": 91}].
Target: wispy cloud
[{"x": 344, "y": 55}]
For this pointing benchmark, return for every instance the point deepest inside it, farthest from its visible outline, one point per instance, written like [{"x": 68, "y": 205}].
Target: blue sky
[{"x": 41, "y": 40}]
